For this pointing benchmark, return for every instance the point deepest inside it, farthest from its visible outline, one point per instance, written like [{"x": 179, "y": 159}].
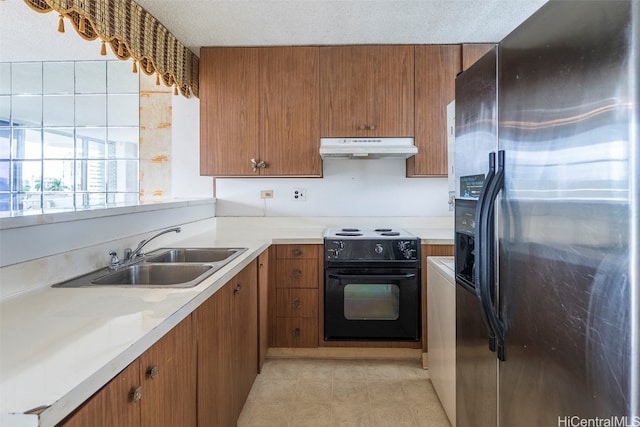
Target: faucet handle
[{"x": 115, "y": 261}]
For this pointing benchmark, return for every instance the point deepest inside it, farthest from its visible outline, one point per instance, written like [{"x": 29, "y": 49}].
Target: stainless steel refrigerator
[{"x": 547, "y": 165}]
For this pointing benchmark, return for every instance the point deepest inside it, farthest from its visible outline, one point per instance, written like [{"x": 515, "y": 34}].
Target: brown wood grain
[
  {"x": 297, "y": 303},
  {"x": 112, "y": 405},
  {"x": 295, "y": 251},
  {"x": 215, "y": 381},
  {"x": 366, "y": 86},
  {"x": 244, "y": 337},
  {"x": 169, "y": 399},
  {"x": 296, "y": 273},
  {"x": 289, "y": 102},
  {"x": 436, "y": 70},
  {"x": 229, "y": 108},
  {"x": 472, "y": 52},
  {"x": 297, "y": 332}
]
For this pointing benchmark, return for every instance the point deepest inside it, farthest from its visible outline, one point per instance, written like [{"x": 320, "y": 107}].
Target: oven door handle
[{"x": 405, "y": 276}]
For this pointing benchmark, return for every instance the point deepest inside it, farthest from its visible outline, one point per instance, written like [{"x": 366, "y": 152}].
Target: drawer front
[
  {"x": 296, "y": 332},
  {"x": 297, "y": 273},
  {"x": 297, "y": 251},
  {"x": 297, "y": 303}
]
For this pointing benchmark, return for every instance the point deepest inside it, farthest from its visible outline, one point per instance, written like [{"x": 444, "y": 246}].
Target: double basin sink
[{"x": 163, "y": 268}]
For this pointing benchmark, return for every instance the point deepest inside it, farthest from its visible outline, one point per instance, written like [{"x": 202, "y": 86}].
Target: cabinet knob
[
  {"x": 296, "y": 303},
  {"x": 297, "y": 252},
  {"x": 372, "y": 127},
  {"x": 296, "y": 273},
  {"x": 152, "y": 372},
  {"x": 362, "y": 127},
  {"x": 136, "y": 394},
  {"x": 295, "y": 332},
  {"x": 255, "y": 165},
  {"x": 236, "y": 290}
]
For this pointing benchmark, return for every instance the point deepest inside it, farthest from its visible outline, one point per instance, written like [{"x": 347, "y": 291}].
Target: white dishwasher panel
[{"x": 441, "y": 320}]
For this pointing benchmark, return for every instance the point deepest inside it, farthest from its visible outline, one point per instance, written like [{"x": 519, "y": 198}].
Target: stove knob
[
  {"x": 378, "y": 249},
  {"x": 408, "y": 253}
]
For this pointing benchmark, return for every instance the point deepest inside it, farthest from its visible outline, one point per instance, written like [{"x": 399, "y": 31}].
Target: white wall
[
  {"x": 185, "y": 157},
  {"x": 349, "y": 188}
]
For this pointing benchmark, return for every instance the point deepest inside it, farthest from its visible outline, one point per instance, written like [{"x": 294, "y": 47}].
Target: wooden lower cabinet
[
  {"x": 293, "y": 290},
  {"x": 157, "y": 389},
  {"x": 199, "y": 374},
  {"x": 213, "y": 324},
  {"x": 227, "y": 334}
]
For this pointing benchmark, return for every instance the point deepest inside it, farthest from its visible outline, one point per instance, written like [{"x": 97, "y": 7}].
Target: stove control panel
[{"x": 363, "y": 250}]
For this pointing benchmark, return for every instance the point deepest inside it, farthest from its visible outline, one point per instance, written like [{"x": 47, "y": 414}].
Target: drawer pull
[
  {"x": 295, "y": 332},
  {"x": 152, "y": 372},
  {"x": 236, "y": 290},
  {"x": 296, "y": 273},
  {"x": 297, "y": 252},
  {"x": 296, "y": 303},
  {"x": 136, "y": 394}
]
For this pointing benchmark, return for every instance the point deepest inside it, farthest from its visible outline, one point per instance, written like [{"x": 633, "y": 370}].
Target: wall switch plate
[
  {"x": 299, "y": 194},
  {"x": 266, "y": 194}
]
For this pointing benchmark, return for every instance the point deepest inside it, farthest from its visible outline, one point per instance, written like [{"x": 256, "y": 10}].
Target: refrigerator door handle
[
  {"x": 488, "y": 273},
  {"x": 481, "y": 239}
]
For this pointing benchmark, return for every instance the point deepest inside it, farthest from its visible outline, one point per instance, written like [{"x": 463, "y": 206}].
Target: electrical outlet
[
  {"x": 299, "y": 194},
  {"x": 266, "y": 194}
]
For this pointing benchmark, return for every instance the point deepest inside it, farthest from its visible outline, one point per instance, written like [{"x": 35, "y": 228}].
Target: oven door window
[{"x": 371, "y": 302}]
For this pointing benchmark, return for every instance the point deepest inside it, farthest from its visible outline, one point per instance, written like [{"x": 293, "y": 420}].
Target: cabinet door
[
  {"x": 169, "y": 385},
  {"x": 244, "y": 339},
  {"x": 301, "y": 332},
  {"x": 228, "y": 111},
  {"x": 215, "y": 380},
  {"x": 297, "y": 303},
  {"x": 366, "y": 91},
  {"x": 113, "y": 405},
  {"x": 297, "y": 273},
  {"x": 289, "y": 102},
  {"x": 436, "y": 70}
]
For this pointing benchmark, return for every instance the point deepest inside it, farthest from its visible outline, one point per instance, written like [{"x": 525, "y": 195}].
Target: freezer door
[
  {"x": 568, "y": 217},
  {"x": 476, "y": 124},
  {"x": 476, "y": 137}
]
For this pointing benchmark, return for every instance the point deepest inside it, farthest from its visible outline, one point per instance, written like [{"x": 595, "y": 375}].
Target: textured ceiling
[{"x": 25, "y": 34}]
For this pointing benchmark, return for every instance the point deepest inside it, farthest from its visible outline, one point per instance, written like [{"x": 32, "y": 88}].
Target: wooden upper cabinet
[
  {"x": 472, "y": 52},
  {"x": 289, "y": 102},
  {"x": 366, "y": 91},
  {"x": 260, "y": 104},
  {"x": 229, "y": 103},
  {"x": 436, "y": 70}
]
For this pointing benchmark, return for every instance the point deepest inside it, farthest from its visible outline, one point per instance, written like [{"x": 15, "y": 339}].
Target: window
[{"x": 69, "y": 134}]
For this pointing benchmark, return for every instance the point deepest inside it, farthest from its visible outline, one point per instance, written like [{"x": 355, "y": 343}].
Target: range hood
[{"x": 367, "y": 148}]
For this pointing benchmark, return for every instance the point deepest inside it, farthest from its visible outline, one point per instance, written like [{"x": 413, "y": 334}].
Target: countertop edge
[{"x": 63, "y": 407}]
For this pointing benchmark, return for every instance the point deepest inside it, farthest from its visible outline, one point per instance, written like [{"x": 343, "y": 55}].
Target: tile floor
[{"x": 367, "y": 393}]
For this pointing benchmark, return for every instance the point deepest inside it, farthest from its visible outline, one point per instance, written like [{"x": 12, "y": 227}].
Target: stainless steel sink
[
  {"x": 163, "y": 268},
  {"x": 156, "y": 275},
  {"x": 194, "y": 255}
]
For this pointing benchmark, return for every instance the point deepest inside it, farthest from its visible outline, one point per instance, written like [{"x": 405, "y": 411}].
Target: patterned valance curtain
[{"x": 132, "y": 33}]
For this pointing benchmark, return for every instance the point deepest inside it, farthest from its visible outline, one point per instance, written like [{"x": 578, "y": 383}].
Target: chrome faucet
[{"x": 131, "y": 255}]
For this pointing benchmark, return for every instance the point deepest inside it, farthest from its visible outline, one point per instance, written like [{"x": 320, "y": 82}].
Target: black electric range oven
[{"x": 371, "y": 285}]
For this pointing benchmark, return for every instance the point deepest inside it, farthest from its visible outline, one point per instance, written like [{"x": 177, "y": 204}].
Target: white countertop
[{"x": 60, "y": 345}]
